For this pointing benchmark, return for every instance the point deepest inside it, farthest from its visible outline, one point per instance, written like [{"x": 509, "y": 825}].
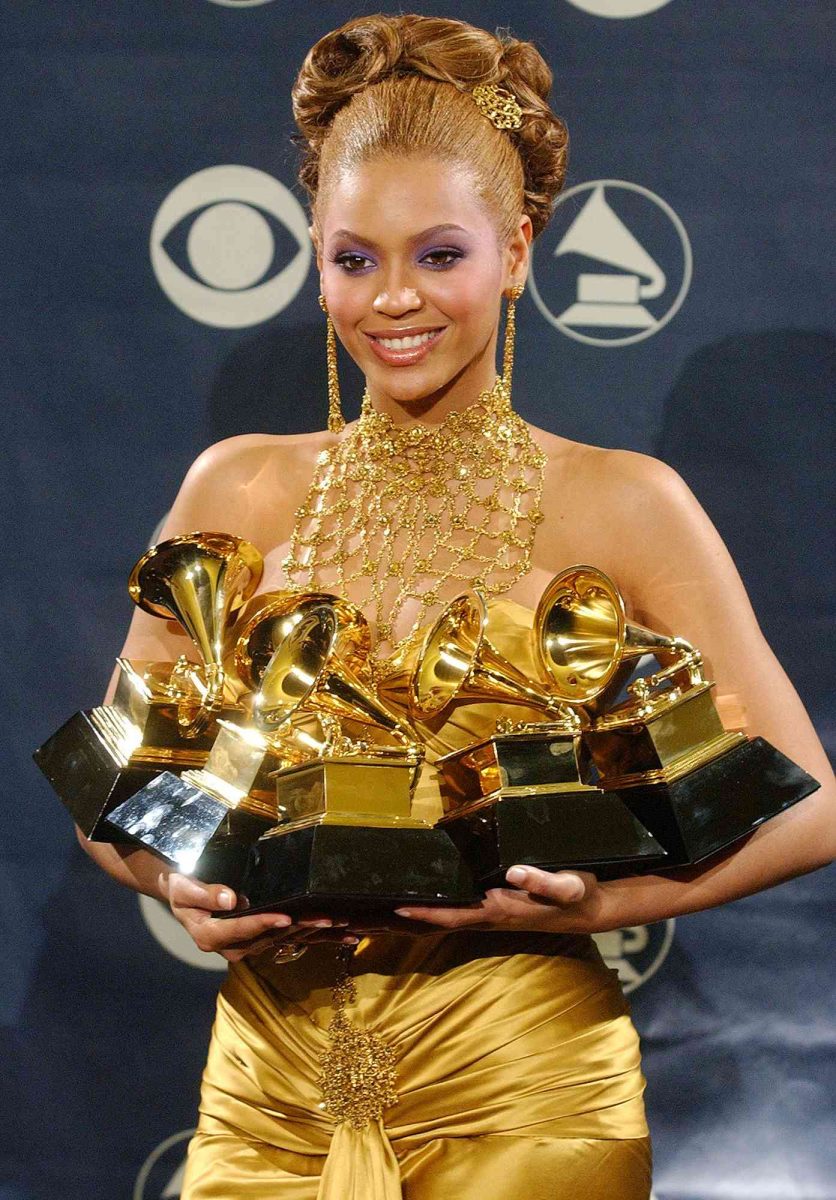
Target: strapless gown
[{"x": 518, "y": 1067}]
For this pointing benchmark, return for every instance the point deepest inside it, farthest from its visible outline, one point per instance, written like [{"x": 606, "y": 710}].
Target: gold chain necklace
[
  {"x": 358, "y": 1071},
  {"x": 398, "y": 517}
]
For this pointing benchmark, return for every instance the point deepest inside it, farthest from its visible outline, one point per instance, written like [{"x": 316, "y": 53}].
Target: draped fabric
[{"x": 517, "y": 1061}]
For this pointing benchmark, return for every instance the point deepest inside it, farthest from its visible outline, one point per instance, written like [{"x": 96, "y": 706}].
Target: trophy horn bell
[
  {"x": 315, "y": 666},
  {"x": 582, "y": 636},
  {"x": 201, "y": 580},
  {"x": 459, "y": 664},
  {"x": 272, "y": 616}
]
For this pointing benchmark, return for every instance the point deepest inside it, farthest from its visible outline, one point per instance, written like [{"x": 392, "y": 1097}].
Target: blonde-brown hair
[{"x": 400, "y": 85}]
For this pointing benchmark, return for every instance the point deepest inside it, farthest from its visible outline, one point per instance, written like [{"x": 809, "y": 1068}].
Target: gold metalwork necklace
[{"x": 407, "y": 517}]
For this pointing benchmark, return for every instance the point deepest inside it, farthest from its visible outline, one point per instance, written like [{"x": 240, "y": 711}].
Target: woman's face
[{"x": 413, "y": 270}]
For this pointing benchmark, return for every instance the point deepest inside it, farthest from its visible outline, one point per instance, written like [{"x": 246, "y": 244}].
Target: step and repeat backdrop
[{"x": 159, "y": 293}]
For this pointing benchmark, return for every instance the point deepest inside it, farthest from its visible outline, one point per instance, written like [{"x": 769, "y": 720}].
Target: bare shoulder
[
  {"x": 247, "y": 485},
  {"x": 248, "y": 453},
  {"x": 620, "y": 482},
  {"x": 610, "y": 473}
]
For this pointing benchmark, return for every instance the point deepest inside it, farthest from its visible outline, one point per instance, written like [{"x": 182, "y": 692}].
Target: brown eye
[
  {"x": 444, "y": 257},
  {"x": 351, "y": 262}
]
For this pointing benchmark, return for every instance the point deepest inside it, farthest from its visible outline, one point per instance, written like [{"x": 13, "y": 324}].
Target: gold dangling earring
[
  {"x": 336, "y": 421},
  {"x": 510, "y": 335}
]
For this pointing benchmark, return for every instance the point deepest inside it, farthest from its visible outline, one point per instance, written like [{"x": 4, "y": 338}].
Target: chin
[{"x": 405, "y": 390}]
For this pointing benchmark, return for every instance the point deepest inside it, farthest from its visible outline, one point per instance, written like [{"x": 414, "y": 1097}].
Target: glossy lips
[{"x": 399, "y": 348}]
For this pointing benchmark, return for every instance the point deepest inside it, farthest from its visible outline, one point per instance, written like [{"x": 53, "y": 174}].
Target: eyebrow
[{"x": 433, "y": 231}]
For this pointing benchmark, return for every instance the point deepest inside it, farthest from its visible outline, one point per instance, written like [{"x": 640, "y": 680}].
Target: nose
[{"x": 396, "y": 298}]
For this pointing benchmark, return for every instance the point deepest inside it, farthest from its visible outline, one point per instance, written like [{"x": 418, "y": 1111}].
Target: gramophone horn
[
  {"x": 458, "y": 663},
  {"x": 583, "y": 638},
  {"x": 201, "y": 580},
  {"x": 307, "y": 670},
  {"x": 271, "y": 616}
]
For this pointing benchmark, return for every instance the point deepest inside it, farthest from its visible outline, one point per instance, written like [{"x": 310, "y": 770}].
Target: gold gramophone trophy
[
  {"x": 204, "y": 821},
  {"x": 163, "y": 714},
  {"x": 659, "y": 743},
  {"x": 346, "y": 840},
  {"x": 524, "y": 794}
]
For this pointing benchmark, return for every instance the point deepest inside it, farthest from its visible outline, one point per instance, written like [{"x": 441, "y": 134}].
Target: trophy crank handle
[{"x": 689, "y": 659}]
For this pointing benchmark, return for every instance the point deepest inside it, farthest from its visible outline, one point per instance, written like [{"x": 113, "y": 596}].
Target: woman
[{"x": 495, "y": 1053}]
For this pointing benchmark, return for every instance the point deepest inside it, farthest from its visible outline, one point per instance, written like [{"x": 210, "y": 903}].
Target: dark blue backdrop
[{"x": 698, "y": 165}]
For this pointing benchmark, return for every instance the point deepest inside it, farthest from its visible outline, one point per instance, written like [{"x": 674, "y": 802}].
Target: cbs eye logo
[
  {"x": 616, "y": 9},
  {"x": 231, "y": 223}
]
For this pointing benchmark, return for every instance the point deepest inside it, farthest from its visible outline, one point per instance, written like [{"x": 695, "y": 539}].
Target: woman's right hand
[{"x": 193, "y": 902}]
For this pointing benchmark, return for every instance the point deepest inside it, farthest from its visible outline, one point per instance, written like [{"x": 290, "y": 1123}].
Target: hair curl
[{"x": 400, "y": 84}]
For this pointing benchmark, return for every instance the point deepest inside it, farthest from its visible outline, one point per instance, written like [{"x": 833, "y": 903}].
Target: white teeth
[{"x": 407, "y": 343}]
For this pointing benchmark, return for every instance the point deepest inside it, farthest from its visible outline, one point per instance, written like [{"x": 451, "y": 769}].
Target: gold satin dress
[{"x": 518, "y": 1066}]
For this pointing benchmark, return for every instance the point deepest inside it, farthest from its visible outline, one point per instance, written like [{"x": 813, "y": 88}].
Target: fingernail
[
  {"x": 576, "y": 890},
  {"x": 316, "y": 924},
  {"x": 516, "y": 875},
  {"x": 404, "y": 912},
  {"x": 350, "y": 941},
  {"x": 226, "y": 899},
  {"x": 281, "y": 922}
]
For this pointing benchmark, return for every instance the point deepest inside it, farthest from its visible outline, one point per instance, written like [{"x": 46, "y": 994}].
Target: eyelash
[{"x": 348, "y": 256}]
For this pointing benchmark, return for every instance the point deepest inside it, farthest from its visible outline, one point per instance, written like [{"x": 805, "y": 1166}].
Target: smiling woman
[{"x": 483, "y": 1051}]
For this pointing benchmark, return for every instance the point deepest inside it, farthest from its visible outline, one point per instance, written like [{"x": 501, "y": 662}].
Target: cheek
[{"x": 349, "y": 300}]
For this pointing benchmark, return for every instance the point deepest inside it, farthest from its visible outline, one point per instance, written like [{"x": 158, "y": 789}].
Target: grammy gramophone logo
[{"x": 614, "y": 266}]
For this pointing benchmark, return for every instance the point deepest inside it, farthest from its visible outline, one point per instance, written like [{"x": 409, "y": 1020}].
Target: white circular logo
[
  {"x": 618, "y": 9},
  {"x": 637, "y": 952},
  {"x": 161, "y": 1175},
  {"x": 230, "y": 246},
  {"x": 609, "y": 223},
  {"x": 172, "y": 936}
]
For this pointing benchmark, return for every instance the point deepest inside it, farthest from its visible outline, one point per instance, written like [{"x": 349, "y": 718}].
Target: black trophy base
[
  {"x": 721, "y": 802},
  {"x": 347, "y": 869},
  {"x": 179, "y": 822},
  {"x": 88, "y": 780},
  {"x": 584, "y": 830}
]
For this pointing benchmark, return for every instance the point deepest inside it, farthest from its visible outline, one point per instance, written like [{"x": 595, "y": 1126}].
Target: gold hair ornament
[
  {"x": 336, "y": 421},
  {"x": 499, "y": 105}
]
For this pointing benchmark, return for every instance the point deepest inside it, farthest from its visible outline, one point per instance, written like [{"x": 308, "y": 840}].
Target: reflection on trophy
[
  {"x": 163, "y": 714},
  {"x": 346, "y": 839},
  {"x": 524, "y": 794},
  {"x": 659, "y": 744},
  {"x": 205, "y": 821}
]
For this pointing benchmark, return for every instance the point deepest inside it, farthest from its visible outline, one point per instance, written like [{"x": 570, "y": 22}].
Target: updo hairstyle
[{"x": 396, "y": 85}]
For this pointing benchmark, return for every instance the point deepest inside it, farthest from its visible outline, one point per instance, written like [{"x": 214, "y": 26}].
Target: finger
[
  {"x": 257, "y": 946},
  {"x": 218, "y": 935},
  {"x": 444, "y": 918},
  {"x": 188, "y": 892},
  {"x": 560, "y": 887}
]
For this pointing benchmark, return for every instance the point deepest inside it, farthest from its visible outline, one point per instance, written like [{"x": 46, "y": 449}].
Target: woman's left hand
[{"x": 540, "y": 901}]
